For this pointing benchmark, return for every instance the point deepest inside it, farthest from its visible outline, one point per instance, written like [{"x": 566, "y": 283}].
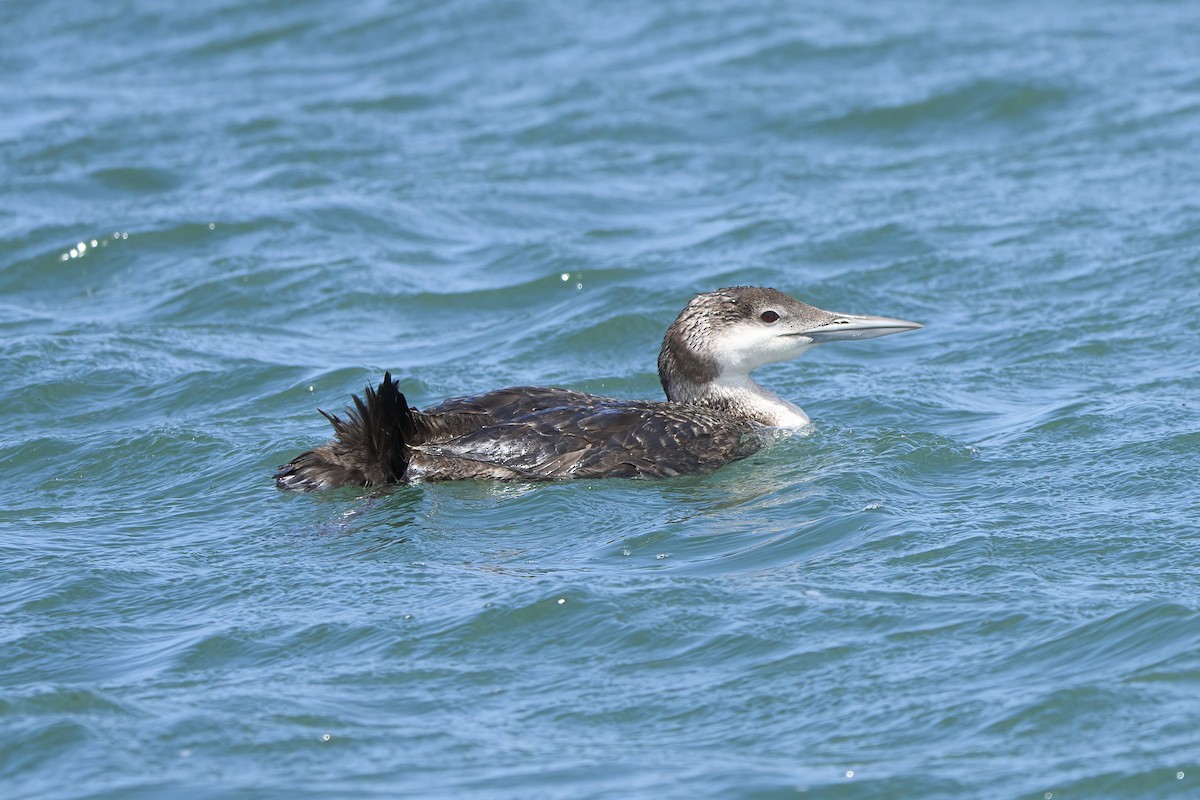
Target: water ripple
[{"x": 972, "y": 577}]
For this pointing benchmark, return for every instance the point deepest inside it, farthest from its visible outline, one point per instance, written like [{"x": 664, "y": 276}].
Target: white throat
[{"x": 740, "y": 393}]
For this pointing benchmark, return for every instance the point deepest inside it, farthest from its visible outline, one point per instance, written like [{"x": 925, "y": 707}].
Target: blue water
[{"x": 975, "y": 576}]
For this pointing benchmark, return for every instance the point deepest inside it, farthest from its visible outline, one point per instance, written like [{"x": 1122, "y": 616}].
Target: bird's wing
[
  {"x": 604, "y": 438},
  {"x": 502, "y": 405}
]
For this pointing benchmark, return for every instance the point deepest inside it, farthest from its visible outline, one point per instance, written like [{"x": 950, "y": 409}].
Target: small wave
[{"x": 963, "y": 110}]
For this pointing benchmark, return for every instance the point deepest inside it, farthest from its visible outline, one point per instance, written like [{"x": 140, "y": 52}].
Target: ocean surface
[{"x": 977, "y": 575}]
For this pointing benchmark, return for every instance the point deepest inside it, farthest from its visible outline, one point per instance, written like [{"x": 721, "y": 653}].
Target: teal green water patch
[
  {"x": 982, "y": 107},
  {"x": 134, "y": 180}
]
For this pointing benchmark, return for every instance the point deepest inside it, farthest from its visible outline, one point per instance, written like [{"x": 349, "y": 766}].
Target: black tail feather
[{"x": 370, "y": 446}]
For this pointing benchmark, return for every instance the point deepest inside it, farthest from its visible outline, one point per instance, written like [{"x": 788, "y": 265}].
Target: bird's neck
[
  {"x": 741, "y": 396},
  {"x": 691, "y": 374}
]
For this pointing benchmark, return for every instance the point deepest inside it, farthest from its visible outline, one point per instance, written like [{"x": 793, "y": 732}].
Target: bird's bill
[{"x": 847, "y": 327}]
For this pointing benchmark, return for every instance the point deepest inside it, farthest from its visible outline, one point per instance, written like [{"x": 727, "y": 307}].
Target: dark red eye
[{"x": 769, "y": 317}]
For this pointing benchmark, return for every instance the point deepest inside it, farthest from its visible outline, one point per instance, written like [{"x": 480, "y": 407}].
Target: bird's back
[
  {"x": 532, "y": 433},
  {"x": 524, "y": 433}
]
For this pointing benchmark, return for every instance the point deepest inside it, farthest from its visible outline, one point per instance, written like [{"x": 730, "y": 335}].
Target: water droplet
[
  {"x": 325, "y": 737},
  {"x": 849, "y": 773},
  {"x": 81, "y": 247},
  {"x": 566, "y": 276},
  {"x": 562, "y": 600},
  {"x": 1178, "y": 776},
  {"x": 1048, "y": 795},
  {"x": 661, "y": 556},
  {"x": 65, "y": 257},
  {"x": 124, "y": 235},
  {"x": 212, "y": 226},
  {"x": 185, "y": 753},
  {"x": 95, "y": 243}
]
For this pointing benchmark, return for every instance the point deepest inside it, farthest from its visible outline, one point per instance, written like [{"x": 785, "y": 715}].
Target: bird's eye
[{"x": 769, "y": 317}]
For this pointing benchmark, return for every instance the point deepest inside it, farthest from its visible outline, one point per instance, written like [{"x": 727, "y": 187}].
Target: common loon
[{"x": 714, "y": 412}]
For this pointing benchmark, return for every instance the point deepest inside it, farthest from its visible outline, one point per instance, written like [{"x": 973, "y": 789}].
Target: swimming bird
[{"x": 714, "y": 413}]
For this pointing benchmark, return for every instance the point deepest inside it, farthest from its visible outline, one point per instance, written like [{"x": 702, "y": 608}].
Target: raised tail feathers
[{"x": 370, "y": 446}]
